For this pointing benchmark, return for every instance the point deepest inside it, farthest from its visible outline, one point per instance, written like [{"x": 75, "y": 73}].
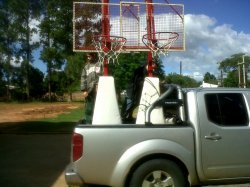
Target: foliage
[
  {"x": 124, "y": 69},
  {"x": 183, "y": 81},
  {"x": 231, "y": 80},
  {"x": 56, "y": 81},
  {"x": 67, "y": 80},
  {"x": 210, "y": 78},
  {"x": 128, "y": 62},
  {"x": 56, "y": 37},
  {"x": 8, "y": 39},
  {"x": 88, "y": 21},
  {"x": 231, "y": 63},
  {"x": 231, "y": 67},
  {"x": 26, "y": 11},
  {"x": 56, "y": 26},
  {"x": 36, "y": 83},
  {"x": 2, "y": 82},
  {"x": 73, "y": 70}
]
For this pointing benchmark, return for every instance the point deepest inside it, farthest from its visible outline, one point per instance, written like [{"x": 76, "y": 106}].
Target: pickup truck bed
[{"x": 128, "y": 143}]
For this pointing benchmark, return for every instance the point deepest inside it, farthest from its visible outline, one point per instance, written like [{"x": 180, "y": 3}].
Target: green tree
[
  {"x": 50, "y": 55},
  {"x": 183, "y": 81},
  {"x": 26, "y": 12},
  {"x": 56, "y": 27},
  {"x": 88, "y": 21},
  {"x": 2, "y": 81},
  {"x": 54, "y": 61},
  {"x": 36, "y": 77},
  {"x": 36, "y": 83},
  {"x": 159, "y": 71},
  {"x": 231, "y": 67},
  {"x": 123, "y": 71},
  {"x": 128, "y": 62},
  {"x": 73, "y": 70},
  {"x": 231, "y": 63},
  {"x": 58, "y": 82},
  {"x": 56, "y": 35},
  {"x": 231, "y": 80},
  {"x": 8, "y": 40},
  {"x": 210, "y": 78}
]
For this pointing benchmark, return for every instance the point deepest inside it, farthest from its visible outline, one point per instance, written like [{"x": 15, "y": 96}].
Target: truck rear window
[{"x": 226, "y": 109}]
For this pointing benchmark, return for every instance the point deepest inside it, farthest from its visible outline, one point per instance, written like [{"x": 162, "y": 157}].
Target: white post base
[
  {"x": 106, "y": 111},
  {"x": 150, "y": 93}
]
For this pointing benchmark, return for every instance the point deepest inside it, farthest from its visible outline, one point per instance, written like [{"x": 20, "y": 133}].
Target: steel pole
[
  {"x": 150, "y": 32},
  {"x": 105, "y": 31},
  {"x": 244, "y": 71}
]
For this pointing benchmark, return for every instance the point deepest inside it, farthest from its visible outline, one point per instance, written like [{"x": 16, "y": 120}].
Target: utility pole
[
  {"x": 221, "y": 79},
  {"x": 243, "y": 70},
  {"x": 180, "y": 67},
  {"x": 239, "y": 74}
]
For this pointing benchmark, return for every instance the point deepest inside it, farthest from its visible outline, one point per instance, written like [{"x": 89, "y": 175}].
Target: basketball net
[
  {"x": 108, "y": 47},
  {"x": 159, "y": 43}
]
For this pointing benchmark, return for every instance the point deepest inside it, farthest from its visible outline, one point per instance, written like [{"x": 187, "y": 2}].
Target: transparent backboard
[{"x": 128, "y": 20}]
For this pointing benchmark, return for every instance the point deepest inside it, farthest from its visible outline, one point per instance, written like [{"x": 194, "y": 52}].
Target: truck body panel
[{"x": 127, "y": 145}]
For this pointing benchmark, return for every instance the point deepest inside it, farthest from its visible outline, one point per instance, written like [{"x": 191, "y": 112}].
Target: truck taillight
[{"x": 77, "y": 146}]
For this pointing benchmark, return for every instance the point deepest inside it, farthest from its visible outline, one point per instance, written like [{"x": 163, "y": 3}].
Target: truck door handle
[{"x": 213, "y": 136}]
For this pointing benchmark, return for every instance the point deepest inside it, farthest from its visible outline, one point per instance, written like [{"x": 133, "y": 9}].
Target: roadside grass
[
  {"x": 73, "y": 116},
  {"x": 61, "y": 124}
]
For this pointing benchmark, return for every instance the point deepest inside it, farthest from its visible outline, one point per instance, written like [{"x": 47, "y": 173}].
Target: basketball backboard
[{"x": 128, "y": 20}]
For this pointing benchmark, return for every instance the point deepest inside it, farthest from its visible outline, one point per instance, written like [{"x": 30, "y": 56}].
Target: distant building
[{"x": 208, "y": 85}]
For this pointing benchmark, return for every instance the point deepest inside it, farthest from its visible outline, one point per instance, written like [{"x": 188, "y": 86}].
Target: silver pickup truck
[{"x": 205, "y": 141}]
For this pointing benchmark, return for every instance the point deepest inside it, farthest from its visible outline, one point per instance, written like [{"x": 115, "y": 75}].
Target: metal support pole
[
  {"x": 105, "y": 30},
  {"x": 180, "y": 67},
  {"x": 150, "y": 30},
  {"x": 221, "y": 79},
  {"x": 243, "y": 70},
  {"x": 239, "y": 74}
]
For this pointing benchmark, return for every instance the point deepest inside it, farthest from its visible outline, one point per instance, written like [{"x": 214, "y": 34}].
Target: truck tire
[{"x": 157, "y": 173}]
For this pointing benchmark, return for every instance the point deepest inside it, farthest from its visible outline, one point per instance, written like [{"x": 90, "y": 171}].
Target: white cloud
[
  {"x": 16, "y": 62},
  {"x": 207, "y": 44},
  {"x": 34, "y": 25}
]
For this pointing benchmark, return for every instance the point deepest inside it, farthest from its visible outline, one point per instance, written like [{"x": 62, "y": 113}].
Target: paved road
[
  {"x": 36, "y": 159},
  {"x": 33, "y": 160}
]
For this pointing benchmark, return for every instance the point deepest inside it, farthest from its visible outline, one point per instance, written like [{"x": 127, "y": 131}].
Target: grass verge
[{"x": 63, "y": 123}]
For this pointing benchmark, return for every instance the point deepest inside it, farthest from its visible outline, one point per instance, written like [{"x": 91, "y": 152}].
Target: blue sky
[
  {"x": 214, "y": 30},
  {"x": 234, "y": 13}
]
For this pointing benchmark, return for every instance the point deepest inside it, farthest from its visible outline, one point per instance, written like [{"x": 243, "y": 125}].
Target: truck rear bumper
[{"x": 71, "y": 177}]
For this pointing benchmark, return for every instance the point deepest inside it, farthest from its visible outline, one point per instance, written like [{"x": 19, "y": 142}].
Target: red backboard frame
[{"x": 126, "y": 19}]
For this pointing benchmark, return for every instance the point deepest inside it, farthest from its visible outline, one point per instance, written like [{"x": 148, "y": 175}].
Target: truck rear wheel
[{"x": 158, "y": 173}]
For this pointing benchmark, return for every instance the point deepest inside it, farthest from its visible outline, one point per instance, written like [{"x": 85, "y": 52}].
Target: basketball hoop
[
  {"x": 108, "y": 47},
  {"x": 159, "y": 42}
]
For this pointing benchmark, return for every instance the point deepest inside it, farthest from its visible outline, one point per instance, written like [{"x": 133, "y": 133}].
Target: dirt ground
[{"x": 17, "y": 112}]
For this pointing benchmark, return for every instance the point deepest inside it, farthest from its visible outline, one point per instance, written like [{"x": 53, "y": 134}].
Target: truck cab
[{"x": 220, "y": 118}]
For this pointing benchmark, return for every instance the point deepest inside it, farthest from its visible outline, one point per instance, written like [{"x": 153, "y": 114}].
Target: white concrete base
[
  {"x": 150, "y": 93},
  {"x": 106, "y": 111}
]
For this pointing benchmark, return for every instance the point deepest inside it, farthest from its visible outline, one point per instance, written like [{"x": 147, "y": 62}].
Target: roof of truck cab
[{"x": 219, "y": 89}]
